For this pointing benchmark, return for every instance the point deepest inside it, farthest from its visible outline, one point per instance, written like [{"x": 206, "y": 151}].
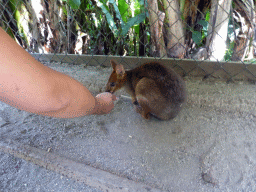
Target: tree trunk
[
  {"x": 40, "y": 33},
  {"x": 174, "y": 28},
  {"x": 59, "y": 40},
  {"x": 156, "y": 24},
  {"x": 48, "y": 27},
  {"x": 218, "y": 29},
  {"x": 142, "y": 39},
  {"x": 161, "y": 16},
  {"x": 244, "y": 15},
  {"x": 71, "y": 31}
]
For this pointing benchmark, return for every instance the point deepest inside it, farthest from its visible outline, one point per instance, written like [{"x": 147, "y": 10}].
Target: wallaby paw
[
  {"x": 138, "y": 108},
  {"x": 134, "y": 100},
  {"x": 146, "y": 116},
  {"x": 142, "y": 112},
  {"x": 135, "y": 103}
]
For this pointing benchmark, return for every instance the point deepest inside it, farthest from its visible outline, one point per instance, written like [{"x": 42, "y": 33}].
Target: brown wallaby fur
[{"x": 155, "y": 89}]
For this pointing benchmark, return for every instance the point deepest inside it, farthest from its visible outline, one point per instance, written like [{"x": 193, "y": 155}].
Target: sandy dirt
[
  {"x": 19, "y": 175},
  {"x": 209, "y": 146}
]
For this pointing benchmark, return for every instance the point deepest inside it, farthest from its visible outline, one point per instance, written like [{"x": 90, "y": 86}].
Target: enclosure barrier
[{"x": 198, "y": 38}]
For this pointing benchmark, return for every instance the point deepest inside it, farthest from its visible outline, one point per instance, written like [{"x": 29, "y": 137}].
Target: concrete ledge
[
  {"x": 186, "y": 67},
  {"x": 80, "y": 172}
]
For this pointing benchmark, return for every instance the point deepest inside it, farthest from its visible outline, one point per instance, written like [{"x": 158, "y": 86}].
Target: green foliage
[
  {"x": 123, "y": 9},
  {"x": 182, "y": 6},
  {"x": 205, "y": 25},
  {"x": 197, "y": 36},
  {"x": 207, "y": 16},
  {"x": 73, "y": 3},
  {"x": 229, "y": 51},
  {"x": 133, "y": 21},
  {"x": 86, "y": 5},
  {"x": 116, "y": 8},
  {"x": 233, "y": 30},
  {"x": 137, "y": 7},
  {"x": 252, "y": 61},
  {"x": 20, "y": 12},
  {"x": 102, "y": 4},
  {"x": 122, "y": 13}
]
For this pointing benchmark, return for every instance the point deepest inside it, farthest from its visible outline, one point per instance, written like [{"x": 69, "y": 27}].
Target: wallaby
[{"x": 155, "y": 89}]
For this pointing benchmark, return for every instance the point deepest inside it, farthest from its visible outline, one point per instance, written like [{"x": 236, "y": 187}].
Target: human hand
[{"x": 104, "y": 103}]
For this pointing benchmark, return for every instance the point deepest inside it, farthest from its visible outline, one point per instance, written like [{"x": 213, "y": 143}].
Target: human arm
[{"x": 28, "y": 85}]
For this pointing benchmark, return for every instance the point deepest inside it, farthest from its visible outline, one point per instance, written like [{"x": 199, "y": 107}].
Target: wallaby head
[{"x": 117, "y": 78}]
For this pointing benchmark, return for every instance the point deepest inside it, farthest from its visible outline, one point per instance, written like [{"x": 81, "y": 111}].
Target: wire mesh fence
[{"x": 199, "y": 30}]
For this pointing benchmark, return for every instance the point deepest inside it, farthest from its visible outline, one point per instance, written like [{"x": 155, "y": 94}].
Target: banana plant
[
  {"x": 74, "y": 4},
  {"x": 122, "y": 14}
]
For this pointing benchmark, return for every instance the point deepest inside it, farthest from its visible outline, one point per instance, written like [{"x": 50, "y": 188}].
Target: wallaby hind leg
[
  {"x": 146, "y": 91},
  {"x": 143, "y": 108}
]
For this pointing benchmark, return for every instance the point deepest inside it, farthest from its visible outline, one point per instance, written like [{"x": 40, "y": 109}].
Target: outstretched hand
[{"x": 104, "y": 103}]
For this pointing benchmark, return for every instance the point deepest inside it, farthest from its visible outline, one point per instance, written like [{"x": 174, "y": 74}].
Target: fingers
[
  {"x": 113, "y": 97},
  {"x": 106, "y": 96},
  {"x": 105, "y": 102}
]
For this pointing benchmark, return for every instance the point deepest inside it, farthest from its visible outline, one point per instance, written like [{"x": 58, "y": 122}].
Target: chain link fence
[{"x": 216, "y": 36}]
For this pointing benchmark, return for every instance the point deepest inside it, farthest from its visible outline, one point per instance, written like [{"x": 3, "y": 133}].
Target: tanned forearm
[
  {"x": 29, "y": 85},
  {"x": 70, "y": 98}
]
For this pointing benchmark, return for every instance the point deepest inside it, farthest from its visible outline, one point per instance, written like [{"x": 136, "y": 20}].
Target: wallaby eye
[{"x": 112, "y": 84}]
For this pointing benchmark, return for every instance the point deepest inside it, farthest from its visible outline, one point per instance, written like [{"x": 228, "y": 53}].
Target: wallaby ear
[
  {"x": 113, "y": 64},
  {"x": 118, "y": 68},
  {"x": 120, "y": 71}
]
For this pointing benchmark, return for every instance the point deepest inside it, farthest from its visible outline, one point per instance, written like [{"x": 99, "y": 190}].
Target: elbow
[
  {"x": 56, "y": 103},
  {"x": 52, "y": 103}
]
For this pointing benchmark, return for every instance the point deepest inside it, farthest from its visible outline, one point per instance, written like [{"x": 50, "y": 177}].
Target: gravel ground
[
  {"x": 19, "y": 175},
  {"x": 210, "y": 146}
]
